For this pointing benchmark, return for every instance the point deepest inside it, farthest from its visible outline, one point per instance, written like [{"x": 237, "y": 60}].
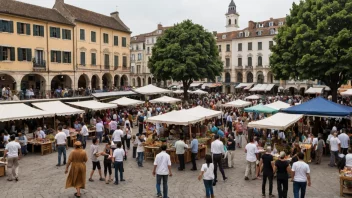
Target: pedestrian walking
[
  {"x": 162, "y": 169},
  {"x": 194, "y": 150},
  {"x": 266, "y": 164},
  {"x": 231, "y": 147},
  {"x": 217, "y": 150},
  {"x": 61, "y": 144},
  {"x": 107, "y": 163},
  {"x": 99, "y": 128},
  {"x": 135, "y": 145},
  {"x": 300, "y": 176},
  {"x": 13, "y": 154},
  {"x": 118, "y": 156},
  {"x": 94, "y": 154},
  {"x": 251, "y": 151},
  {"x": 335, "y": 147},
  {"x": 84, "y": 134},
  {"x": 283, "y": 169},
  {"x": 345, "y": 141},
  {"x": 207, "y": 173},
  {"x": 319, "y": 151},
  {"x": 180, "y": 146},
  {"x": 140, "y": 150},
  {"x": 77, "y": 176}
]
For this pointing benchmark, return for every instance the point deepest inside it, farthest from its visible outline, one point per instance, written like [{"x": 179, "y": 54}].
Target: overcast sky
[{"x": 142, "y": 16}]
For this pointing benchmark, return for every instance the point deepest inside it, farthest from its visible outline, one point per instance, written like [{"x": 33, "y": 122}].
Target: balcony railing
[
  {"x": 125, "y": 68},
  {"x": 39, "y": 65},
  {"x": 107, "y": 67}
]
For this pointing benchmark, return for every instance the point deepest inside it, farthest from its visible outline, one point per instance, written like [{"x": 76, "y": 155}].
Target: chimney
[
  {"x": 59, "y": 1},
  {"x": 271, "y": 18},
  {"x": 115, "y": 15},
  {"x": 160, "y": 26},
  {"x": 215, "y": 33},
  {"x": 251, "y": 25}
]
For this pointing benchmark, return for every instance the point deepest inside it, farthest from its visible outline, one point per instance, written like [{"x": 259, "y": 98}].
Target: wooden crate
[{"x": 2, "y": 170}]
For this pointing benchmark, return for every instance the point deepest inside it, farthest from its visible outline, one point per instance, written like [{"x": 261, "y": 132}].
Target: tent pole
[{"x": 190, "y": 131}]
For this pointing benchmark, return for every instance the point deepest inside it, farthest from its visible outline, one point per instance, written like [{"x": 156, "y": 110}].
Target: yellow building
[{"x": 66, "y": 47}]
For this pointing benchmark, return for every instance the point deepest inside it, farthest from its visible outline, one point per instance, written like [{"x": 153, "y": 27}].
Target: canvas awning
[
  {"x": 58, "y": 108},
  {"x": 278, "y": 105},
  {"x": 195, "y": 84},
  {"x": 347, "y": 93},
  {"x": 94, "y": 105},
  {"x": 200, "y": 92},
  {"x": 21, "y": 111},
  {"x": 179, "y": 91},
  {"x": 269, "y": 87},
  {"x": 326, "y": 88},
  {"x": 279, "y": 121},
  {"x": 175, "y": 117},
  {"x": 314, "y": 90},
  {"x": 253, "y": 97},
  {"x": 165, "y": 99},
  {"x": 114, "y": 93},
  {"x": 211, "y": 85},
  {"x": 126, "y": 102},
  {"x": 256, "y": 87},
  {"x": 262, "y": 87},
  {"x": 244, "y": 85},
  {"x": 202, "y": 112},
  {"x": 261, "y": 109},
  {"x": 238, "y": 104},
  {"x": 151, "y": 90}
]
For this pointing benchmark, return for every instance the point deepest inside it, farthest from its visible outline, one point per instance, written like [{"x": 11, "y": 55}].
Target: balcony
[
  {"x": 107, "y": 67},
  {"x": 125, "y": 68},
  {"x": 39, "y": 65},
  {"x": 116, "y": 67},
  {"x": 260, "y": 66},
  {"x": 249, "y": 67}
]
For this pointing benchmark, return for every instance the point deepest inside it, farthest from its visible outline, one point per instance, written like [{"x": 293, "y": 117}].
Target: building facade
[{"x": 65, "y": 46}]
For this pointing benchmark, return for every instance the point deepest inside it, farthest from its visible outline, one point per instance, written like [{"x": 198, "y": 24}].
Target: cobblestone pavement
[{"x": 39, "y": 177}]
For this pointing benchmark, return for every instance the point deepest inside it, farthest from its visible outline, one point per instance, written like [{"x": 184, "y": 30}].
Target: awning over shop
[
  {"x": 253, "y": 97},
  {"x": 58, "y": 108},
  {"x": 179, "y": 91},
  {"x": 94, "y": 105},
  {"x": 262, "y": 87},
  {"x": 165, "y": 99},
  {"x": 175, "y": 117},
  {"x": 238, "y": 104},
  {"x": 151, "y": 90},
  {"x": 279, "y": 121},
  {"x": 20, "y": 111},
  {"x": 314, "y": 90},
  {"x": 278, "y": 105},
  {"x": 114, "y": 93},
  {"x": 256, "y": 87},
  {"x": 200, "y": 92},
  {"x": 326, "y": 88},
  {"x": 244, "y": 85},
  {"x": 347, "y": 93},
  {"x": 261, "y": 109},
  {"x": 195, "y": 84},
  {"x": 127, "y": 102},
  {"x": 202, "y": 112},
  {"x": 211, "y": 85}
]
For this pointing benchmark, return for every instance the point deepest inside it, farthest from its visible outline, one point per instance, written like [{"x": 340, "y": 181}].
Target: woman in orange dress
[{"x": 77, "y": 175}]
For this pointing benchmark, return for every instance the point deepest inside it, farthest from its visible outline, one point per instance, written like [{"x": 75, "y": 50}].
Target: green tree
[
  {"x": 315, "y": 43},
  {"x": 186, "y": 53}
]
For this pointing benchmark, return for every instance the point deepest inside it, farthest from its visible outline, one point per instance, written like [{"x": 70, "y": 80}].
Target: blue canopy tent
[{"x": 320, "y": 107}]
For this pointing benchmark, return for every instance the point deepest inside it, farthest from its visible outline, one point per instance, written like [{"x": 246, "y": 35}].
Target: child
[
  {"x": 135, "y": 144},
  {"x": 207, "y": 173}
]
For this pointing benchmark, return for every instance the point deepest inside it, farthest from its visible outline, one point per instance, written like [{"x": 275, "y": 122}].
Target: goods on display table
[
  {"x": 307, "y": 150},
  {"x": 345, "y": 181},
  {"x": 45, "y": 145}
]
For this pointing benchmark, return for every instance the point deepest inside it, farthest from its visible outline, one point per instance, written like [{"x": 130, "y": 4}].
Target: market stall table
[
  {"x": 345, "y": 176},
  {"x": 44, "y": 146}
]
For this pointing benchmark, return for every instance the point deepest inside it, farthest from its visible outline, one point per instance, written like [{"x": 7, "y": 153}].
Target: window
[
  {"x": 54, "y": 32},
  {"x": 240, "y": 47},
  {"x": 55, "y": 56},
  {"x": 137, "y": 47},
  {"x": 38, "y": 30},
  {"x": 247, "y": 34},
  {"x": 7, "y": 53},
  {"x": 229, "y": 21},
  {"x": 24, "y": 54},
  {"x": 259, "y": 33},
  {"x": 83, "y": 58},
  {"x": 93, "y": 36},
  {"x": 148, "y": 50},
  {"x": 23, "y": 28},
  {"x": 260, "y": 61},
  {"x": 271, "y": 43},
  {"x": 228, "y": 48},
  {"x": 259, "y": 45},
  {"x": 272, "y": 31},
  {"x": 116, "y": 61},
  {"x": 139, "y": 56},
  {"x": 94, "y": 59},
  {"x": 241, "y": 34},
  {"x": 271, "y": 23},
  {"x": 66, "y": 34},
  {"x": 281, "y": 23},
  {"x": 219, "y": 48},
  {"x": 82, "y": 34},
  {"x": 132, "y": 57},
  {"x": 6, "y": 26},
  {"x": 227, "y": 61},
  {"x": 124, "y": 61},
  {"x": 106, "y": 60},
  {"x": 239, "y": 60},
  {"x": 116, "y": 40},
  {"x": 249, "y": 61},
  {"x": 223, "y": 36},
  {"x": 106, "y": 38},
  {"x": 160, "y": 31},
  {"x": 66, "y": 57},
  {"x": 249, "y": 45},
  {"x": 124, "y": 42}
]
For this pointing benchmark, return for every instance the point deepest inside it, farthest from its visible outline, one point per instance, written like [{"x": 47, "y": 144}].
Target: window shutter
[
  {"x": 34, "y": 31},
  {"x": 19, "y": 54},
  {"x": 18, "y": 28},
  {"x": 58, "y": 54},
  {"x": 41, "y": 31},
  {"x": 28, "y": 29},
  {"x": 51, "y": 56},
  {"x": 69, "y": 34},
  {"x": 58, "y": 32},
  {"x": 69, "y": 57},
  {"x": 51, "y": 31},
  {"x": 12, "y": 54},
  {"x": 29, "y": 54},
  {"x": 115, "y": 61},
  {"x": 63, "y": 34},
  {"x": 11, "y": 27},
  {"x": 116, "y": 40},
  {"x": 1, "y": 48},
  {"x": 82, "y": 35},
  {"x": 1, "y": 26}
]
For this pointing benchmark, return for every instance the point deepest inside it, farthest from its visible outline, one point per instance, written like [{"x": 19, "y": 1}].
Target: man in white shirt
[
  {"x": 99, "y": 128},
  {"x": 84, "y": 132},
  {"x": 162, "y": 169},
  {"x": 335, "y": 147},
  {"x": 217, "y": 150},
  {"x": 61, "y": 144},
  {"x": 345, "y": 141},
  {"x": 66, "y": 131},
  {"x": 13, "y": 152},
  {"x": 40, "y": 133},
  {"x": 180, "y": 146},
  {"x": 112, "y": 126},
  {"x": 251, "y": 151},
  {"x": 300, "y": 175},
  {"x": 140, "y": 149},
  {"x": 117, "y": 135},
  {"x": 229, "y": 122},
  {"x": 118, "y": 156}
]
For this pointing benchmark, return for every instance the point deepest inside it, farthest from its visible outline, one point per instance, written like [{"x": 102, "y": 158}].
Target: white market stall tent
[
  {"x": 238, "y": 104},
  {"x": 278, "y": 105},
  {"x": 348, "y": 92},
  {"x": 165, "y": 99},
  {"x": 253, "y": 97},
  {"x": 175, "y": 117},
  {"x": 279, "y": 121},
  {"x": 21, "y": 111},
  {"x": 94, "y": 105},
  {"x": 114, "y": 93},
  {"x": 58, "y": 108},
  {"x": 179, "y": 91},
  {"x": 151, "y": 90},
  {"x": 314, "y": 90},
  {"x": 127, "y": 102},
  {"x": 202, "y": 112},
  {"x": 200, "y": 92}
]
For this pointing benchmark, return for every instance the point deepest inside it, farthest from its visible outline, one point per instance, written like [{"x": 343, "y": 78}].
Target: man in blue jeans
[
  {"x": 118, "y": 156},
  {"x": 162, "y": 169},
  {"x": 61, "y": 144},
  {"x": 300, "y": 175}
]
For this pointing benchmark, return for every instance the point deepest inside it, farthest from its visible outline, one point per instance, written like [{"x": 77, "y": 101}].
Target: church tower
[{"x": 232, "y": 18}]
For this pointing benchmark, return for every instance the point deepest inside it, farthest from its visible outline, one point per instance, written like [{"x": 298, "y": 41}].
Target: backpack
[{"x": 141, "y": 119}]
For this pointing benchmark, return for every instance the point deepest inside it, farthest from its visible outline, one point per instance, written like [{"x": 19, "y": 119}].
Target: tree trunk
[
  {"x": 185, "y": 90},
  {"x": 334, "y": 88}
]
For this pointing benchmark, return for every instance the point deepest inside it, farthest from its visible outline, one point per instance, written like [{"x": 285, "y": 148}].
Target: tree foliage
[
  {"x": 315, "y": 43},
  {"x": 185, "y": 53}
]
